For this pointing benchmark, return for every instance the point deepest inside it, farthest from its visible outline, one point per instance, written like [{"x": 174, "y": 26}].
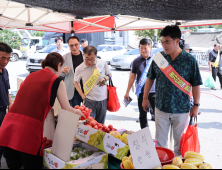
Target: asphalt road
[{"x": 209, "y": 122}]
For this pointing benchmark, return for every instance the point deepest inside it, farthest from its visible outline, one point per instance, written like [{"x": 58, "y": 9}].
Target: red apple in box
[
  {"x": 76, "y": 107},
  {"x": 107, "y": 130},
  {"x": 100, "y": 126},
  {"x": 89, "y": 126},
  {"x": 45, "y": 139},
  {"x": 93, "y": 124},
  {"x": 95, "y": 127},
  {"x": 110, "y": 127}
]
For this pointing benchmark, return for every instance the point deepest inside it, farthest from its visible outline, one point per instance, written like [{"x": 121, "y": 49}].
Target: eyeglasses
[
  {"x": 92, "y": 60},
  {"x": 166, "y": 42},
  {"x": 75, "y": 45}
]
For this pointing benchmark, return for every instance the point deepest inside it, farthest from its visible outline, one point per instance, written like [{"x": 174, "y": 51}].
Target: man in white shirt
[
  {"x": 60, "y": 49},
  {"x": 94, "y": 94}
]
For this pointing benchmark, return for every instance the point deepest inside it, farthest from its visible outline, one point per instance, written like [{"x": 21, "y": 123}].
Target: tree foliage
[
  {"x": 147, "y": 33},
  {"x": 37, "y": 33},
  {"x": 11, "y": 38}
]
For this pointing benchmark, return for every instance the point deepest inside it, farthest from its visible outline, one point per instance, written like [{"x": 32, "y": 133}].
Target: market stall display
[{"x": 192, "y": 160}]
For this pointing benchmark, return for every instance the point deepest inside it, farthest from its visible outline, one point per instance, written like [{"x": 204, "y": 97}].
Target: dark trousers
[
  {"x": 99, "y": 109},
  {"x": 17, "y": 160},
  {"x": 217, "y": 72},
  {"x": 76, "y": 100},
  {"x": 2, "y": 115},
  {"x": 143, "y": 114}
]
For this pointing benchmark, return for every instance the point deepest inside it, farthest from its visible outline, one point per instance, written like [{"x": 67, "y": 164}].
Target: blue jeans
[
  {"x": 76, "y": 100},
  {"x": 2, "y": 115}
]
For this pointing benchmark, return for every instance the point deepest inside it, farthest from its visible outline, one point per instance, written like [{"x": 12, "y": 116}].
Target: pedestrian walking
[
  {"x": 140, "y": 68},
  {"x": 177, "y": 74},
  {"x": 94, "y": 73},
  {"x": 84, "y": 44},
  {"x": 21, "y": 133},
  {"x": 215, "y": 64},
  {"x": 72, "y": 60},
  {"x": 5, "y": 100},
  {"x": 60, "y": 49}
]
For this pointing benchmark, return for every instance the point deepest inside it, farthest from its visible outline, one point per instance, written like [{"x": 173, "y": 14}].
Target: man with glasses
[
  {"x": 177, "y": 74},
  {"x": 94, "y": 73},
  {"x": 72, "y": 61},
  {"x": 5, "y": 100},
  {"x": 60, "y": 49},
  {"x": 215, "y": 64}
]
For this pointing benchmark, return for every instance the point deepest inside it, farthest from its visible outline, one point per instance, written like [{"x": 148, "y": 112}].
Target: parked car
[
  {"x": 34, "y": 61},
  {"x": 106, "y": 52},
  {"x": 16, "y": 54},
  {"x": 124, "y": 61}
]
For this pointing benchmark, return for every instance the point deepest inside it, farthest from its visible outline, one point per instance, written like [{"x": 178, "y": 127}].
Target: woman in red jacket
[{"x": 21, "y": 133}]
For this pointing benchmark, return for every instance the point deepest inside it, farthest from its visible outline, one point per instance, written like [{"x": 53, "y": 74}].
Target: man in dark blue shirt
[
  {"x": 5, "y": 100},
  {"x": 138, "y": 67}
]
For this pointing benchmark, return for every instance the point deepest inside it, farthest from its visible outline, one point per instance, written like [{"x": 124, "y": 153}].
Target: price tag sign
[{"x": 143, "y": 151}]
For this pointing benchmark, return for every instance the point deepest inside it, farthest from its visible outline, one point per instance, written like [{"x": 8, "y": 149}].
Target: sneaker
[{"x": 213, "y": 88}]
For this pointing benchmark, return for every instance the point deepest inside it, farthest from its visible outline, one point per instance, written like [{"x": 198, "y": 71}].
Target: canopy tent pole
[
  {"x": 128, "y": 23},
  {"x": 11, "y": 7},
  {"x": 46, "y": 13},
  {"x": 15, "y": 18}
]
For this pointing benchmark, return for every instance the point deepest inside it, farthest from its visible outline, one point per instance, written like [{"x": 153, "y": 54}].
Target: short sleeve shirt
[
  {"x": 84, "y": 73},
  {"x": 4, "y": 87},
  {"x": 62, "y": 52},
  {"x": 138, "y": 66},
  {"x": 213, "y": 57},
  {"x": 169, "y": 98}
]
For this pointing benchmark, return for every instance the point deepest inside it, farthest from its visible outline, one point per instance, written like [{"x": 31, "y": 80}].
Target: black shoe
[
  {"x": 213, "y": 88},
  {"x": 137, "y": 121},
  {"x": 153, "y": 118},
  {"x": 199, "y": 113}
]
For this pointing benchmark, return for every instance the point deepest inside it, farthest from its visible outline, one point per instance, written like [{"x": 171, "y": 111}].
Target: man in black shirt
[
  {"x": 5, "y": 100},
  {"x": 215, "y": 64},
  {"x": 72, "y": 61}
]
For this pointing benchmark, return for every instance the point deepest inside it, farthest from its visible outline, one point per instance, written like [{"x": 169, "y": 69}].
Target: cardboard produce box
[
  {"x": 98, "y": 160},
  {"x": 102, "y": 141}
]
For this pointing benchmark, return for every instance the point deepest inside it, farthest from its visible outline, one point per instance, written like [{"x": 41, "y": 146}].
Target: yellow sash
[
  {"x": 91, "y": 81},
  {"x": 216, "y": 64}
]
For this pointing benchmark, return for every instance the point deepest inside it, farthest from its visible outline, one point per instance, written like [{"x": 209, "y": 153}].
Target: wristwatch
[{"x": 196, "y": 104}]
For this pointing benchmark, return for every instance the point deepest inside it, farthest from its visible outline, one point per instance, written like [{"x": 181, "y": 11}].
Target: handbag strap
[
  {"x": 191, "y": 120},
  {"x": 110, "y": 81}
]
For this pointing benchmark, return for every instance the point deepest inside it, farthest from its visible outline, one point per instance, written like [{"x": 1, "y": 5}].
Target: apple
[
  {"x": 76, "y": 107},
  {"x": 95, "y": 127},
  {"x": 104, "y": 127},
  {"x": 93, "y": 124},
  {"x": 88, "y": 121},
  {"x": 89, "y": 126},
  {"x": 110, "y": 127},
  {"x": 107, "y": 130},
  {"x": 100, "y": 126}
]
